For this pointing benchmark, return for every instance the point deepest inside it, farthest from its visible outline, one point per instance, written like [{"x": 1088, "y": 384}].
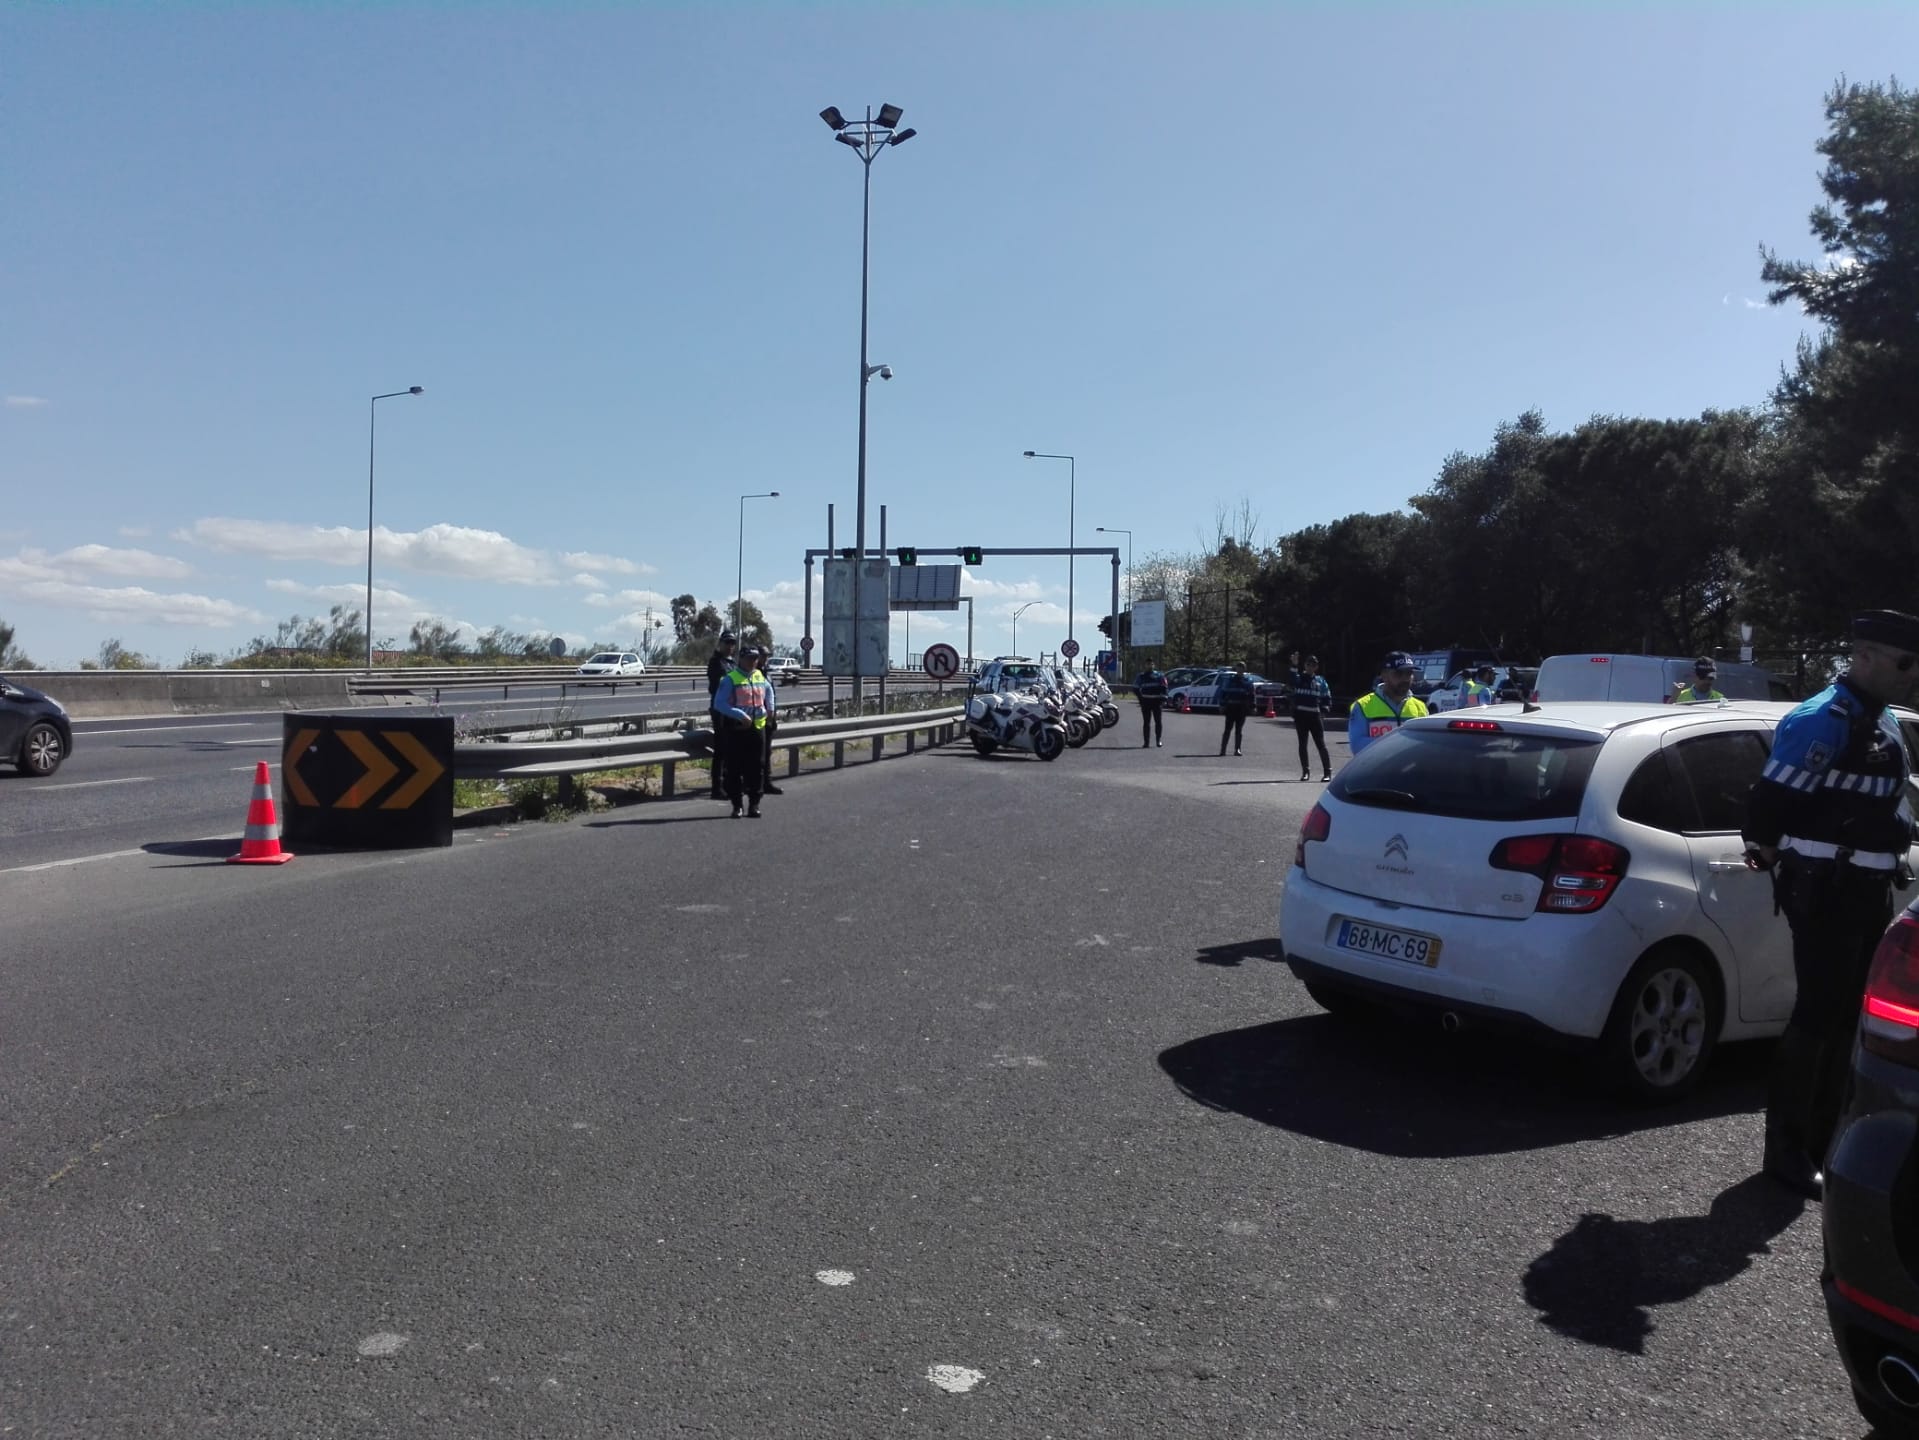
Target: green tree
[
  {"x": 436, "y": 638},
  {"x": 115, "y": 656},
  {"x": 685, "y": 609},
  {"x": 12, "y": 657}
]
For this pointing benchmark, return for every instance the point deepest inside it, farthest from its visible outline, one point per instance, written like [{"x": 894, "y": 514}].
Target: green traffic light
[{"x": 908, "y": 555}]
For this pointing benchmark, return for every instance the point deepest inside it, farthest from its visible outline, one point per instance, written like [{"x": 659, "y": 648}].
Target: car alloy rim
[
  {"x": 43, "y": 750},
  {"x": 1668, "y": 1027}
]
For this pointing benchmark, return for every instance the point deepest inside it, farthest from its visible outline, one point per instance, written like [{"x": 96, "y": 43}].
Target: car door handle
[{"x": 1739, "y": 864}]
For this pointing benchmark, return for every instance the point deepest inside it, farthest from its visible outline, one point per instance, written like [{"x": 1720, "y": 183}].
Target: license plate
[{"x": 1407, "y": 945}]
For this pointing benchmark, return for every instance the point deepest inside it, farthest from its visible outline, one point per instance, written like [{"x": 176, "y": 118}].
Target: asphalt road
[
  {"x": 132, "y": 782},
  {"x": 954, "y": 1097}
]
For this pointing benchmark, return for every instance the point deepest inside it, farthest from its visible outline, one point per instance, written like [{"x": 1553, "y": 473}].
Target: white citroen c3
[{"x": 1574, "y": 871}]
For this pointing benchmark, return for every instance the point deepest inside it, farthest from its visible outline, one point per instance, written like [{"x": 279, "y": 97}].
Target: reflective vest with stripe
[
  {"x": 749, "y": 693},
  {"x": 1381, "y": 719}
]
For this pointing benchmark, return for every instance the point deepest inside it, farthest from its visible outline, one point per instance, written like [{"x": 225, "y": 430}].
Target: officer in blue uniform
[{"x": 1828, "y": 817}]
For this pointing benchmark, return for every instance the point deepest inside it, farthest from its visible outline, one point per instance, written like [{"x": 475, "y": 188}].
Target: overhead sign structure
[
  {"x": 1149, "y": 623},
  {"x": 367, "y": 782},
  {"x": 1069, "y": 647},
  {"x": 838, "y": 632},
  {"x": 926, "y": 587},
  {"x": 942, "y": 661}
]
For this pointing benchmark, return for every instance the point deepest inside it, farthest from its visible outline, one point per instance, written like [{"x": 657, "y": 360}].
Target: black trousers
[
  {"x": 743, "y": 757},
  {"x": 1235, "y": 730},
  {"x": 1837, "y": 913},
  {"x": 1309, "y": 724},
  {"x": 1151, "y": 726}
]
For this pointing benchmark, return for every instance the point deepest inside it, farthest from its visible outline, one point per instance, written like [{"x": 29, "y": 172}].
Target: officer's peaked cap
[
  {"x": 1398, "y": 660},
  {"x": 1888, "y": 627}
]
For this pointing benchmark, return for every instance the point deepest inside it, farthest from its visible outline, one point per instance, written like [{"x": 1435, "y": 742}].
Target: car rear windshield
[{"x": 1472, "y": 774}]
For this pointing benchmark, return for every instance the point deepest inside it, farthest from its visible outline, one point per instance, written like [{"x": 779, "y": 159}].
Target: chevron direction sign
[{"x": 367, "y": 782}]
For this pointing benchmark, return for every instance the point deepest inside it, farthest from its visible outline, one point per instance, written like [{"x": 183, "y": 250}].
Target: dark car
[
  {"x": 34, "y": 734},
  {"x": 1871, "y": 1205}
]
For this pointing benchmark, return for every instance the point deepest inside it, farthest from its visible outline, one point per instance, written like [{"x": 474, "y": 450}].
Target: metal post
[
  {"x": 888, "y": 665},
  {"x": 859, "y": 523},
  {"x": 1119, "y": 669}
]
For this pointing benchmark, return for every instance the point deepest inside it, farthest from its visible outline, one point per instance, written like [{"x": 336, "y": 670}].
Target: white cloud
[
  {"x": 135, "y": 604},
  {"x": 629, "y": 600},
  {"x": 451, "y": 550},
  {"x": 984, "y": 588},
  {"x": 384, "y": 600},
  {"x": 129, "y": 564},
  {"x": 134, "y": 532},
  {"x": 26, "y": 402},
  {"x": 1752, "y": 304},
  {"x": 589, "y": 582},
  {"x": 612, "y": 564}
]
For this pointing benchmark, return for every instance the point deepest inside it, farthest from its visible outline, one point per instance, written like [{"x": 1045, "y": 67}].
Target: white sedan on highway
[
  {"x": 611, "y": 664},
  {"x": 1575, "y": 872}
]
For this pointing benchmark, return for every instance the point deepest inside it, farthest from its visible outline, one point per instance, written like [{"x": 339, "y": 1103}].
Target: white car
[
  {"x": 611, "y": 664},
  {"x": 782, "y": 670},
  {"x": 1572, "y": 872}
]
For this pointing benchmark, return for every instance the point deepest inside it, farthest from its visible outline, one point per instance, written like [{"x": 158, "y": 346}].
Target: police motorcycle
[
  {"x": 1029, "y": 720},
  {"x": 1082, "y": 713},
  {"x": 1102, "y": 694}
]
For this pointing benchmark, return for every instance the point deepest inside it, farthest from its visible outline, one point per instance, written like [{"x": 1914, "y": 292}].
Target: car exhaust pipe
[
  {"x": 1451, "y": 1023},
  {"x": 1900, "y": 1381}
]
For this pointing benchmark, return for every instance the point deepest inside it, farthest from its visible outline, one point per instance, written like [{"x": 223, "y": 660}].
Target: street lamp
[
  {"x": 1016, "y": 614},
  {"x": 865, "y": 138},
  {"x": 1070, "y": 486},
  {"x": 1115, "y": 530},
  {"x": 739, "y": 575},
  {"x": 371, "y": 411}
]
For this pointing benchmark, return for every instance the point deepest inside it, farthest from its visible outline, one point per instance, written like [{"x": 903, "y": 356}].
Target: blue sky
[{"x": 1291, "y": 255}]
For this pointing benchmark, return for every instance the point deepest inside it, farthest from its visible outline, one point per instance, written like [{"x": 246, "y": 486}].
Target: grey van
[{"x": 1646, "y": 678}]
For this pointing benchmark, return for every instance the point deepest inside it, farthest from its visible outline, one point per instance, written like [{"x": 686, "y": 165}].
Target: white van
[{"x": 1645, "y": 678}]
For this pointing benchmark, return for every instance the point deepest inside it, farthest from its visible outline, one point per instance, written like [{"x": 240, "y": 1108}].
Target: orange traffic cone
[
  {"x": 1185, "y": 703},
  {"x": 261, "y": 844},
  {"x": 1272, "y": 709}
]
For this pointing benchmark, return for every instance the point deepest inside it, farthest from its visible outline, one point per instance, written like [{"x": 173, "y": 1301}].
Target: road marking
[
  {"x": 954, "y": 1379},
  {"x": 83, "y": 784},
  {"x": 382, "y": 1344},
  {"x": 248, "y": 769},
  {"x": 107, "y": 855},
  {"x": 833, "y": 1277},
  {"x": 149, "y": 729}
]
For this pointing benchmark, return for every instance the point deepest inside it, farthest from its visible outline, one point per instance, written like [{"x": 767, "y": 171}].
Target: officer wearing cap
[
  {"x": 742, "y": 706},
  {"x": 1828, "y": 818},
  {"x": 717, "y": 665},
  {"x": 1387, "y": 706},
  {"x": 1704, "y": 673}
]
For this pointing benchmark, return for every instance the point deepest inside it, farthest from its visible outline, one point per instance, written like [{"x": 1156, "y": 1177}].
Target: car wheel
[
  {"x": 41, "y": 752},
  {"x": 1341, "y": 1004},
  {"x": 1664, "y": 1024}
]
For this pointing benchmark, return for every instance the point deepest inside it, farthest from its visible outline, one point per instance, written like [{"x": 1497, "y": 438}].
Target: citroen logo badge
[{"x": 1396, "y": 846}]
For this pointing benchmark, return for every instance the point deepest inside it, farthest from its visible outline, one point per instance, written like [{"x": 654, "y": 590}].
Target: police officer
[
  {"x": 1827, "y": 817},
  {"x": 1149, "y": 688},
  {"x": 1311, "y": 698},
  {"x": 1387, "y": 706},
  {"x": 742, "y": 705},
  {"x": 717, "y": 665},
  {"x": 1235, "y": 703},
  {"x": 1478, "y": 688},
  {"x": 1704, "y": 673}
]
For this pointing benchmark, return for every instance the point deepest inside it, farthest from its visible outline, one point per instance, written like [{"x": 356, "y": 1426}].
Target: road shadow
[
  {"x": 1408, "y": 1091},
  {"x": 202, "y": 849},
  {"x": 1601, "y": 1278},
  {"x": 1217, "y": 783},
  {"x": 1241, "y": 950}
]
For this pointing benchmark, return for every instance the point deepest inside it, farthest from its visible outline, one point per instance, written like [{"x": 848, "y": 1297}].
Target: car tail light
[
  {"x": 1492, "y": 725},
  {"x": 1578, "y": 873},
  {"x": 1891, "y": 1023},
  {"x": 1317, "y": 825}
]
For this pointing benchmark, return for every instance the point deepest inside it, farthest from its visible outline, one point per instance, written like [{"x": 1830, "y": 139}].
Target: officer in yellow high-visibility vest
[
  {"x": 1387, "y": 706},
  {"x": 741, "y": 708},
  {"x": 1700, "y": 692}
]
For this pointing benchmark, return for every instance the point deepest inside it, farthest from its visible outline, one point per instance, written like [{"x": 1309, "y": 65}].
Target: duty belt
[{"x": 1821, "y": 850}]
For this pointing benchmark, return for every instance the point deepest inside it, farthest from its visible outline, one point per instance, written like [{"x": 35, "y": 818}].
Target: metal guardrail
[{"x": 569, "y": 759}]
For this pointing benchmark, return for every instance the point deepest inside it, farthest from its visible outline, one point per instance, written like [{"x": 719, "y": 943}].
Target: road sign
[
  {"x": 806, "y": 643},
  {"x": 368, "y": 782},
  {"x": 556, "y": 647},
  {"x": 942, "y": 661},
  {"x": 1149, "y": 623},
  {"x": 1069, "y": 648},
  {"x": 1107, "y": 663}
]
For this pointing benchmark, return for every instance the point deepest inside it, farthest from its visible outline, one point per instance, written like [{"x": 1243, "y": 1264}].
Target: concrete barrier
[{"x": 109, "y": 694}]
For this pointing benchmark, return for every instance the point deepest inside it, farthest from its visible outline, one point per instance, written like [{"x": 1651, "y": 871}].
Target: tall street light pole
[
  {"x": 1070, "y": 542},
  {"x": 739, "y": 575},
  {"x": 866, "y": 138},
  {"x": 1115, "y": 530},
  {"x": 1016, "y": 614},
  {"x": 371, "y": 411}
]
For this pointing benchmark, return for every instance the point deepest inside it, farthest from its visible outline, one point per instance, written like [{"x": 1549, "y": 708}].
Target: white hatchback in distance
[
  {"x": 1573, "y": 872},
  {"x": 611, "y": 664}
]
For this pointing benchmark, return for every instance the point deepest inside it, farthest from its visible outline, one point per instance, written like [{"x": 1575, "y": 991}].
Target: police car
[{"x": 1202, "y": 692}]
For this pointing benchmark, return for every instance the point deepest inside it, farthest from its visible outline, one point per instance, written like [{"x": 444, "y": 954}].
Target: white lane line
[
  {"x": 249, "y": 769},
  {"x": 83, "y": 784},
  {"x": 108, "y": 855},
  {"x": 150, "y": 729}
]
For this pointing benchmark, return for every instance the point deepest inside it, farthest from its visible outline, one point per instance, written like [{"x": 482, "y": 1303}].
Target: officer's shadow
[{"x": 1601, "y": 1277}]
